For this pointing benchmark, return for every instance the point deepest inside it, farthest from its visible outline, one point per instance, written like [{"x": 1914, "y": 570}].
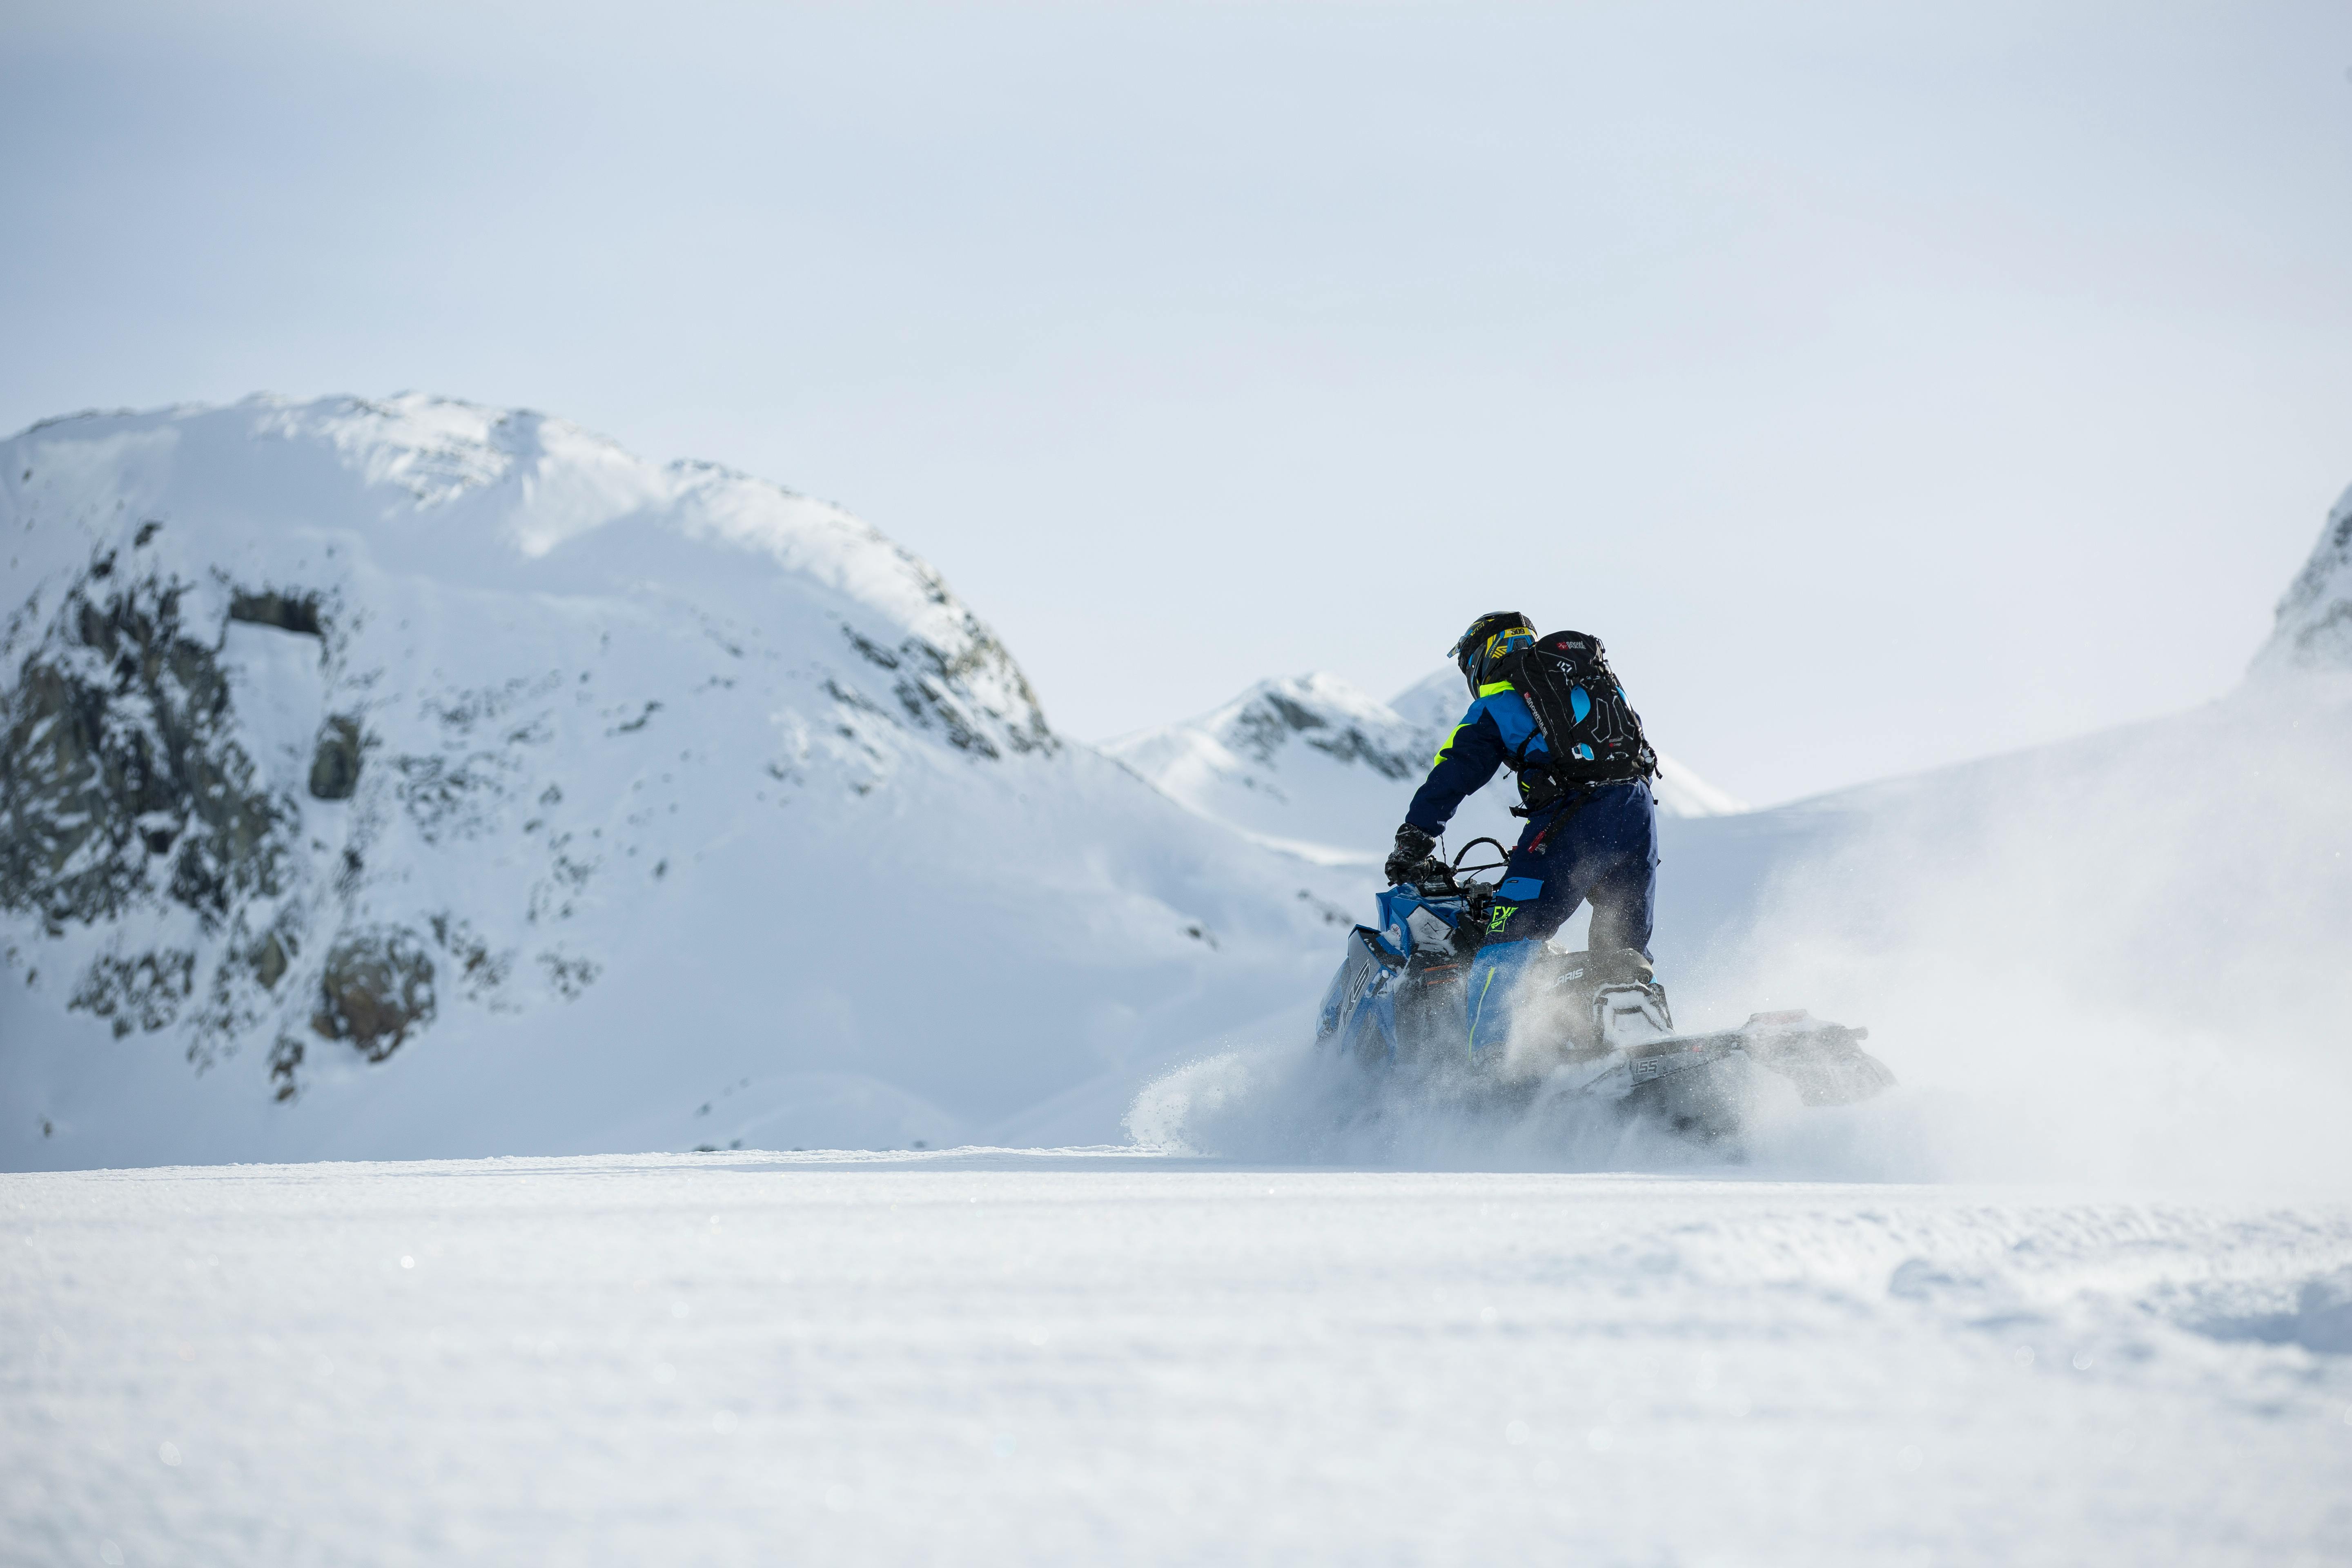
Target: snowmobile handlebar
[
  {"x": 1459, "y": 869},
  {"x": 1437, "y": 879}
]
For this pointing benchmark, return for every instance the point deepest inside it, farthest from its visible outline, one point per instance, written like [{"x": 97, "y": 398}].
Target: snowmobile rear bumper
[{"x": 1708, "y": 1084}]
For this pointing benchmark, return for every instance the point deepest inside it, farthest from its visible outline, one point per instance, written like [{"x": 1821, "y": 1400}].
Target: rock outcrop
[
  {"x": 456, "y": 761},
  {"x": 377, "y": 987},
  {"x": 121, "y": 772},
  {"x": 335, "y": 762}
]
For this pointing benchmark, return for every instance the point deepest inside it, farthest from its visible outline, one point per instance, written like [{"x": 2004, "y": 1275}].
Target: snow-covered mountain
[
  {"x": 414, "y": 777},
  {"x": 1312, "y": 764},
  {"x": 2314, "y": 631}
]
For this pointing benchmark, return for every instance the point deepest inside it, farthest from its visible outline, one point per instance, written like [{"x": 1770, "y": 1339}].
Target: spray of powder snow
[
  {"x": 1288, "y": 1102},
  {"x": 2119, "y": 959}
]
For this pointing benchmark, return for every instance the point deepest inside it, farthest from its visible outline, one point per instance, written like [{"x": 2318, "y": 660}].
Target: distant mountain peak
[
  {"x": 1314, "y": 763},
  {"x": 2314, "y": 629},
  {"x": 1322, "y": 711}
]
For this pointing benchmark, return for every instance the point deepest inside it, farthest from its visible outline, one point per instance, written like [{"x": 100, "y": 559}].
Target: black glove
[{"x": 1412, "y": 847}]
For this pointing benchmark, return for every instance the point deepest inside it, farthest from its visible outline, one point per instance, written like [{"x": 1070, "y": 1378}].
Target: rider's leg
[
  {"x": 1533, "y": 900},
  {"x": 1625, "y": 882},
  {"x": 1602, "y": 848}
]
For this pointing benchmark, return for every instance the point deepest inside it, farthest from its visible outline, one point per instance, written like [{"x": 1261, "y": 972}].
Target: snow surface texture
[
  {"x": 1082, "y": 1359},
  {"x": 1312, "y": 765},
  {"x": 413, "y": 778}
]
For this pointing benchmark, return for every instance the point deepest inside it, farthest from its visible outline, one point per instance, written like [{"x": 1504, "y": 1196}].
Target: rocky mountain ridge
[
  {"x": 2313, "y": 627},
  {"x": 342, "y": 731},
  {"x": 1315, "y": 765}
]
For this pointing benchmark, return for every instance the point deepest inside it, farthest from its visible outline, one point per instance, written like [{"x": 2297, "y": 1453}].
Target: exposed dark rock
[
  {"x": 284, "y": 1057},
  {"x": 2315, "y": 619},
  {"x": 335, "y": 765},
  {"x": 1260, "y": 730},
  {"x": 926, "y": 703},
  {"x": 872, "y": 651},
  {"x": 118, "y": 769},
  {"x": 143, "y": 992},
  {"x": 936, "y": 689},
  {"x": 269, "y": 961},
  {"x": 453, "y": 797},
  {"x": 644, "y": 717},
  {"x": 481, "y": 971},
  {"x": 287, "y": 612},
  {"x": 1352, "y": 745},
  {"x": 568, "y": 976},
  {"x": 378, "y": 985}
]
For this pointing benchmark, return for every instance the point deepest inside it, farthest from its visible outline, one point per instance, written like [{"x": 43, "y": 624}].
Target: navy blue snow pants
[{"x": 1601, "y": 847}]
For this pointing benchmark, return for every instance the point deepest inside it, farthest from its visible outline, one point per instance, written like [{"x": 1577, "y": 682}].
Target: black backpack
[{"x": 1600, "y": 743}]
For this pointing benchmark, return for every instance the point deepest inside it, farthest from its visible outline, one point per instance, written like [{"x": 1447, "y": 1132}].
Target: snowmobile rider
[{"x": 1587, "y": 838}]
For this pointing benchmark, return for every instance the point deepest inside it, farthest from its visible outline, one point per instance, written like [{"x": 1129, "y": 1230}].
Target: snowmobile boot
[
  {"x": 1625, "y": 1014},
  {"x": 1623, "y": 967},
  {"x": 1629, "y": 1006}
]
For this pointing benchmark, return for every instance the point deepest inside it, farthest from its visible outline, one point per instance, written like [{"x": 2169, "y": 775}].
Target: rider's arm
[{"x": 1463, "y": 765}]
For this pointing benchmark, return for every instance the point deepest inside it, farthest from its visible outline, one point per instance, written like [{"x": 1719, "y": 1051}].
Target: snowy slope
[
  {"x": 416, "y": 778},
  {"x": 1313, "y": 763},
  {"x": 1049, "y": 1359},
  {"x": 2121, "y": 957}
]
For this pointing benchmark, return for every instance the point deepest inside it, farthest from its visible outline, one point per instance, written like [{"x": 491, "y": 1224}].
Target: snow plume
[
  {"x": 1288, "y": 1102},
  {"x": 2117, "y": 959},
  {"x": 1282, "y": 1100}
]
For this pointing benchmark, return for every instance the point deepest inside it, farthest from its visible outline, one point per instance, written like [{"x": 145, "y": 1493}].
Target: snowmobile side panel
[
  {"x": 1367, "y": 958},
  {"x": 1678, "y": 1053}
]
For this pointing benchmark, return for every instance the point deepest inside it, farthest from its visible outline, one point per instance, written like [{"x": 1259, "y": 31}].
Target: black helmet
[{"x": 1489, "y": 639}]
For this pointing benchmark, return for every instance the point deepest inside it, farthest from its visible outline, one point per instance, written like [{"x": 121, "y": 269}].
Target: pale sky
[{"x": 1887, "y": 385}]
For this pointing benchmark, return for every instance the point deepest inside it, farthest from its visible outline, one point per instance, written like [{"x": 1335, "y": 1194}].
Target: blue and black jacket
[{"x": 1498, "y": 728}]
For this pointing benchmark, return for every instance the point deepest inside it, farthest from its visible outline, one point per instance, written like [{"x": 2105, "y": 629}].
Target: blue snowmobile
[{"x": 1595, "y": 1029}]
